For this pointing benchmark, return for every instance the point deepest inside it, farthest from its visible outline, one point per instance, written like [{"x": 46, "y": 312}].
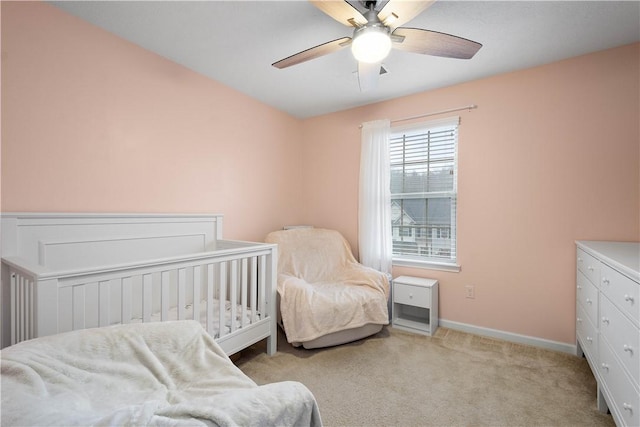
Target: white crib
[{"x": 63, "y": 272}]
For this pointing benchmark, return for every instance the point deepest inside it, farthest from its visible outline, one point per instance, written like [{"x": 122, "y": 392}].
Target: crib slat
[
  {"x": 32, "y": 309},
  {"x": 164, "y": 295},
  {"x": 92, "y": 301},
  {"x": 197, "y": 280},
  {"x": 22, "y": 311},
  {"x": 125, "y": 315},
  {"x": 27, "y": 313},
  {"x": 222, "y": 330},
  {"x": 182, "y": 283},
  {"x": 78, "y": 307},
  {"x": 210, "y": 299},
  {"x": 233, "y": 284},
  {"x": 262, "y": 289},
  {"x": 104, "y": 302},
  {"x": 114, "y": 290},
  {"x": 65, "y": 317},
  {"x": 14, "y": 314},
  {"x": 243, "y": 295},
  {"x": 21, "y": 308},
  {"x": 147, "y": 303},
  {"x": 254, "y": 287}
]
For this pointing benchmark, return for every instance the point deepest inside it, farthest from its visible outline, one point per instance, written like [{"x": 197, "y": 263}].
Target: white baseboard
[{"x": 509, "y": 336}]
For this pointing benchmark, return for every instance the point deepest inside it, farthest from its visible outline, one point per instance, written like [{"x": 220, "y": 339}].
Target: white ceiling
[{"x": 235, "y": 43}]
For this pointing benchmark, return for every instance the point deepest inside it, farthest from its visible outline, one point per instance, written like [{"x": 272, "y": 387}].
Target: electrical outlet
[{"x": 470, "y": 291}]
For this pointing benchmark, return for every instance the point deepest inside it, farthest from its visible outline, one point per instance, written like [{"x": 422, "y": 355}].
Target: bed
[
  {"x": 65, "y": 272},
  {"x": 159, "y": 373}
]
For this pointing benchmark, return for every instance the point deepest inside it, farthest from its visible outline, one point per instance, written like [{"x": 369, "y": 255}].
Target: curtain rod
[{"x": 451, "y": 110}]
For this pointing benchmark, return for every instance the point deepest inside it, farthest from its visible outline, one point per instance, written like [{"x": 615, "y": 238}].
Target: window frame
[{"x": 420, "y": 261}]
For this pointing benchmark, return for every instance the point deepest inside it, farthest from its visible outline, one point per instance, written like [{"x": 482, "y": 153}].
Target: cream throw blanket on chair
[{"x": 322, "y": 288}]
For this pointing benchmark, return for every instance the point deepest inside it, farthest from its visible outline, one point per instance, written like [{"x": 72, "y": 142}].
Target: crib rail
[{"x": 226, "y": 291}]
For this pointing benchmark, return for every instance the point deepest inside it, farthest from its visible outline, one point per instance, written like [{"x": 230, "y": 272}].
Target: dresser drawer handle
[
  {"x": 589, "y": 301},
  {"x": 605, "y": 320},
  {"x": 605, "y": 281},
  {"x": 589, "y": 339},
  {"x": 579, "y": 287},
  {"x": 579, "y": 319},
  {"x": 627, "y": 407},
  {"x": 579, "y": 259},
  {"x": 410, "y": 296},
  {"x": 627, "y": 348},
  {"x": 605, "y": 366},
  {"x": 628, "y": 298},
  {"x": 590, "y": 268}
]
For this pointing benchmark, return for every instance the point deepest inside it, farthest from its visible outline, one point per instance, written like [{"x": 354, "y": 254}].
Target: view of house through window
[{"x": 424, "y": 191}]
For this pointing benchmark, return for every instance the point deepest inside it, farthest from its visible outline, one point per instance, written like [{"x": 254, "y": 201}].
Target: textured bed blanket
[
  {"x": 322, "y": 288},
  {"x": 164, "y": 373}
]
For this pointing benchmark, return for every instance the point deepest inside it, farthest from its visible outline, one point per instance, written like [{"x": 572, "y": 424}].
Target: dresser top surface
[{"x": 624, "y": 256}]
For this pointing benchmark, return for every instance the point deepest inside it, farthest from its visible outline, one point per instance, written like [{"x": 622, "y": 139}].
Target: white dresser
[{"x": 608, "y": 323}]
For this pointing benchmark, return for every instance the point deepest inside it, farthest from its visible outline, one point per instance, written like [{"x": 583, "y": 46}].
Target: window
[{"x": 424, "y": 193}]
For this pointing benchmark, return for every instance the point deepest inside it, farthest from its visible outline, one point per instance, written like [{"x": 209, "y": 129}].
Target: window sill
[{"x": 429, "y": 265}]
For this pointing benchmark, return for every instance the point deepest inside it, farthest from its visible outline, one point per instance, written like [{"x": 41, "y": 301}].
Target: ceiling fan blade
[
  {"x": 398, "y": 12},
  {"x": 341, "y": 11},
  {"x": 314, "y": 52},
  {"x": 368, "y": 75},
  {"x": 434, "y": 43}
]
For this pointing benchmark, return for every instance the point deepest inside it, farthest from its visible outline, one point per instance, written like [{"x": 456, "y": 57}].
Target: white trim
[
  {"x": 511, "y": 337},
  {"x": 428, "y": 265}
]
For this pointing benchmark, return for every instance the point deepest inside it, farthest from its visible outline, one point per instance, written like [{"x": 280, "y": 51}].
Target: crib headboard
[{"x": 62, "y": 241}]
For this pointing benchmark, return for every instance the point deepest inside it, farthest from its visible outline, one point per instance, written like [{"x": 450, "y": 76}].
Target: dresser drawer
[
  {"x": 624, "y": 398},
  {"x": 621, "y": 335},
  {"x": 587, "y": 335},
  {"x": 587, "y": 296},
  {"x": 622, "y": 291},
  {"x": 589, "y": 266},
  {"x": 416, "y": 296}
]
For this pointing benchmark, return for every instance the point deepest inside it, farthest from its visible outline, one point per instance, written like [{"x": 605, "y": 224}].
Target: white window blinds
[{"x": 424, "y": 191}]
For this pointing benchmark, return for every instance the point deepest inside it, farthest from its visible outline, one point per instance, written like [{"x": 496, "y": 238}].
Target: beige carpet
[{"x": 396, "y": 378}]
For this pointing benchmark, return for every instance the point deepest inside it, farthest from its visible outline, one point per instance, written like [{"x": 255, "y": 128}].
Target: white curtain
[{"x": 374, "y": 213}]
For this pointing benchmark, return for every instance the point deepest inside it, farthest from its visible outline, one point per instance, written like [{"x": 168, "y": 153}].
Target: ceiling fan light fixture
[{"x": 371, "y": 43}]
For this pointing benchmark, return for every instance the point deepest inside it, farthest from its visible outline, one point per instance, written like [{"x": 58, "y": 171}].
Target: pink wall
[
  {"x": 92, "y": 123},
  {"x": 550, "y": 156}
]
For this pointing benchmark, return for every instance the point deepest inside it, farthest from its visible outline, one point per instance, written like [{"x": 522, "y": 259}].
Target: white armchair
[{"x": 326, "y": 297}]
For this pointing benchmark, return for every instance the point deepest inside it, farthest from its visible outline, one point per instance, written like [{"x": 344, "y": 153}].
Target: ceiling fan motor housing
[{"x": 371, "y": 42}]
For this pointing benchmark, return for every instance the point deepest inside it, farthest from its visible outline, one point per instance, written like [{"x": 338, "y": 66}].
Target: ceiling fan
[{"x": 376, "y": 33}]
